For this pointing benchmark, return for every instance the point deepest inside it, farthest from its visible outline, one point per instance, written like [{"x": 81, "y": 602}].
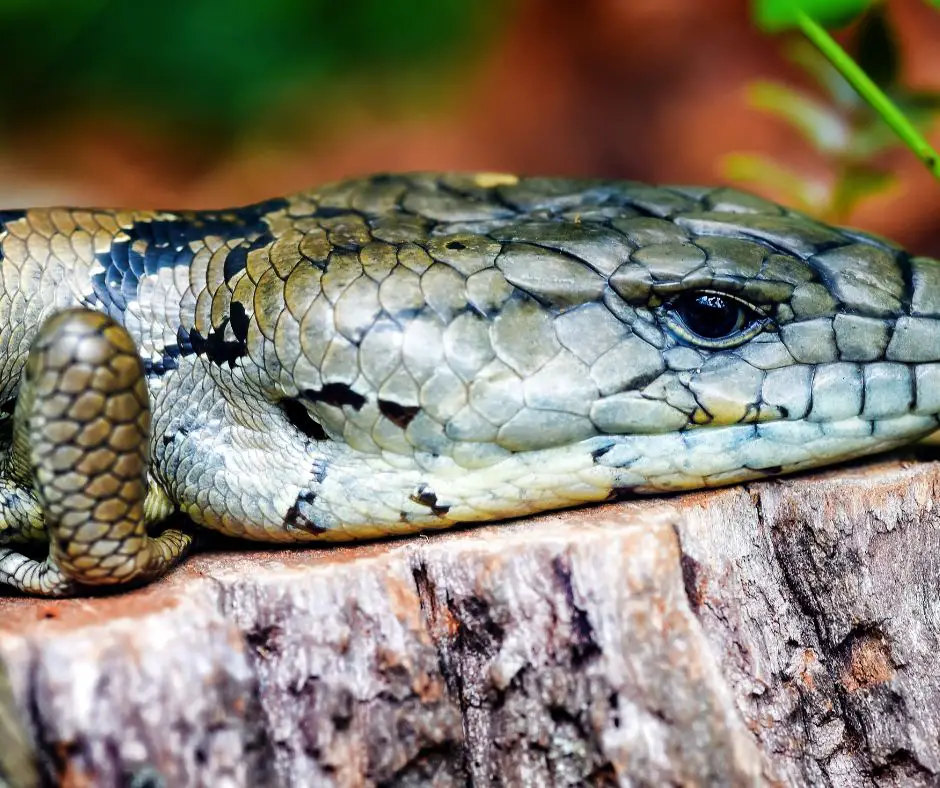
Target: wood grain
[{"x": 779, "y": 633}]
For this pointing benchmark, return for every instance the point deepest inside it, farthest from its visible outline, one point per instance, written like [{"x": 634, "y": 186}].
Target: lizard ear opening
[{"x": 300, "y": 418}]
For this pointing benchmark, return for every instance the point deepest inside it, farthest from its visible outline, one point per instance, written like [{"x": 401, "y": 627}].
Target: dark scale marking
[
  {"x": 812, "y": 383},
  {"x": 239, "y": 322},
  {"x": 181, "y": 431},
  {"x": 300, "y": 418},
  {"x": 235, "y": 262},
  {"x": 167, "y": 363},
  {"x": 619, "y": 493},
  {"x": 184, "y": 346},
  {"x": 8, "y": 215},
  {"x": 425, "y": 496},
  {"x": 400, "y": 415},
  {"x": 456, "y": 246},
  {"x": 297, "y": 517},
  {"x": 598, "y": 453},
  {"x": 907, "y": 275},
  {"x": 335, "y": 394},
  {"x": 329, "y": 212},
  {"x": 167, "y": 244},
  {"x": 215, "y": 346}
]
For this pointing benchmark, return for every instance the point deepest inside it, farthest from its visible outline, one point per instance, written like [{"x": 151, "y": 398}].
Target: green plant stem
[{"x": 869, "y": 91}]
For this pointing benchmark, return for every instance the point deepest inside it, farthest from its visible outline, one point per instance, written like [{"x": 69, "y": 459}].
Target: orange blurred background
[{"x": 643, "y": 89}]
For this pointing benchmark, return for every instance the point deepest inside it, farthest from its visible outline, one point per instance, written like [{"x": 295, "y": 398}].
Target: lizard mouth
[
  {"x": 435, "y": 492},
  {"x": 719, "y": 456}
]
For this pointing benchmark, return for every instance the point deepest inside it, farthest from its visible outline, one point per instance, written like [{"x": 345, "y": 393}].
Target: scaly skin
[{"x": 406, "y": 352}]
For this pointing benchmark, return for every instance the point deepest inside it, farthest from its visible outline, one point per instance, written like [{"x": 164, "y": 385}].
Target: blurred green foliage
[
  {"x": 836, "y": 121},
  {"x": 216, "y": 66},
  {"x": 774, "y": 15}
]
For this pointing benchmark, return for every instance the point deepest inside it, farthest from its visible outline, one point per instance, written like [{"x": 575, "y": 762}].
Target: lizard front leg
[{"x": 80, "y": 453}]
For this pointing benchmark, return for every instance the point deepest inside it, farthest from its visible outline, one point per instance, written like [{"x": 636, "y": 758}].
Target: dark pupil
[{"x": 709, "y": 315}]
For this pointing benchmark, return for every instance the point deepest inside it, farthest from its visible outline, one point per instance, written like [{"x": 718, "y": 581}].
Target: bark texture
[{"x": 781, "y": 633}]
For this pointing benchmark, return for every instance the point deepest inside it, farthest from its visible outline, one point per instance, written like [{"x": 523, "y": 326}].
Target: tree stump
[{"x": 779, "y": 633}]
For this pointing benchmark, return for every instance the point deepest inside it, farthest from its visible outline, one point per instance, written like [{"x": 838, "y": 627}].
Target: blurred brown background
[{"x": 226, "y": 103}]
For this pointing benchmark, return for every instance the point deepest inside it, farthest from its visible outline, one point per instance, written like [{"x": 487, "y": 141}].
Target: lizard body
[{"x": 404, "y": 352}]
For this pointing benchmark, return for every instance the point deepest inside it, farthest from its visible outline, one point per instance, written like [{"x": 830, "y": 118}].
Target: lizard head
[
  {"x": 675, "y": 337},
  {"x": 740, "y": 337}
]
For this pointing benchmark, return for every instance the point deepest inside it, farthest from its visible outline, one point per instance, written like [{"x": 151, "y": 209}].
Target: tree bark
[{"x": 778, "y": 633}]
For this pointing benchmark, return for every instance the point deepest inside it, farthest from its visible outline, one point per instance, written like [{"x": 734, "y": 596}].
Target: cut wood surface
[{"x": 779, "y": 633}]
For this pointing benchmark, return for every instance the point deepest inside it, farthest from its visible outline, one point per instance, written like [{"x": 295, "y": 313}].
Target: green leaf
[
  {"x": 821, "y": 125},
  {"x": 873, "y": 136},
  {"x": 813, "y": 62},
  {"x": 789, "y": 187},
  {"x": 775, "y": 15},
  {"x": 855, "y": 183},
  {"x": 874, "y": 95}
]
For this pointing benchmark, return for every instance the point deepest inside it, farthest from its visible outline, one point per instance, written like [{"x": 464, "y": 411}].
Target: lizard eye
[{"x": 709, "y": 319}]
